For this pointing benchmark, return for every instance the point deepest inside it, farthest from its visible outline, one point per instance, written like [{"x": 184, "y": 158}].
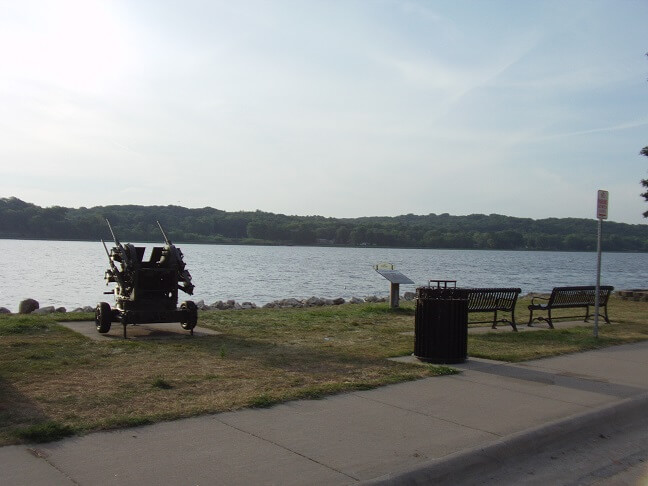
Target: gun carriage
[{"x": 146, "y": 291}]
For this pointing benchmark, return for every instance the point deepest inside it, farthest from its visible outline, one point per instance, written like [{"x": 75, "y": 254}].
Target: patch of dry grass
[
  {"x": 50, "y": 375},
  {"x": 54, "y": 381}
]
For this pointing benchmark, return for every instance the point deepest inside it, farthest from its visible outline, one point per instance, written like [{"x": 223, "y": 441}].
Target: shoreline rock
[
  {"x": 45, "y": 310},
  {"x": 29, "y": 306}
]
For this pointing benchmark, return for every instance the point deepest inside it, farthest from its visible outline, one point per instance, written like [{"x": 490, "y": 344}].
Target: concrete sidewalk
[{"x": 426, "y": 431}]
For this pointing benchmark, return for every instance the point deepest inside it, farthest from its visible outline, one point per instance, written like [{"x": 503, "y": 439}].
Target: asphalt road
[{"x": 611, "y": 455}]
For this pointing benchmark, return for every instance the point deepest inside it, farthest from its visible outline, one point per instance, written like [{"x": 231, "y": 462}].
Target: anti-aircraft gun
[{"x": 146, "y": 291}]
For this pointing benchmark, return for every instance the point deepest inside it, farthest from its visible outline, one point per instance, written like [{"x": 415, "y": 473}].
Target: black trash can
[{"x": 441, "y": 325}]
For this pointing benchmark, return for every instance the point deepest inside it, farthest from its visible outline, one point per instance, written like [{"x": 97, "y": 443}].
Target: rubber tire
[
  {"x": 103, "y": 317},
  {"x": 192, "y": 310}
]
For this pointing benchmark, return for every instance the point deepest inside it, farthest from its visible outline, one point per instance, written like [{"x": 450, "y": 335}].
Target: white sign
[
  {"x": 383, "y": 266},
  {"x": 602, "y": 205}
]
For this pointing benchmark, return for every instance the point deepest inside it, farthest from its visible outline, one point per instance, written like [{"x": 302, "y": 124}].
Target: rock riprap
[{"x": 28, "y": 306}]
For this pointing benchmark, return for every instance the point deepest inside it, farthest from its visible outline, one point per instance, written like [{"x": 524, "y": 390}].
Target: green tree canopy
[{"x": 19, "y": 219}]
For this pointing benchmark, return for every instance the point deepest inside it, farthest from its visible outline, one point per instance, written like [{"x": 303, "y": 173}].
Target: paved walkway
[{"x": 422, "y": 432}]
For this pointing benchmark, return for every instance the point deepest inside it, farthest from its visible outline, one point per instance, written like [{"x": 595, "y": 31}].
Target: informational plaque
[
  {"x": 395, "y": 280},
  {"x": 394, "y": 276}
]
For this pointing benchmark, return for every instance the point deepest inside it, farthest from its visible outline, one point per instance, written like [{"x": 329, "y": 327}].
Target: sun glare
[{"x": 77, "y": 45}]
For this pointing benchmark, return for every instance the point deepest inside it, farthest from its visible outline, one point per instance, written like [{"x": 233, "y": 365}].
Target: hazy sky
[{"x": 339, "y": 108}]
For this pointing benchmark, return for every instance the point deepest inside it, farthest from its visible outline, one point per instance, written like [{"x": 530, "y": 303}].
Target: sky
[{"x": 339, "y": 108}]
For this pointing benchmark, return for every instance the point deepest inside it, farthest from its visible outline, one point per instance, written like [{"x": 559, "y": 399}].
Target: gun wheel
[
  {"x": 192, "y": 315},
  {"x": 103, "y": 317}
]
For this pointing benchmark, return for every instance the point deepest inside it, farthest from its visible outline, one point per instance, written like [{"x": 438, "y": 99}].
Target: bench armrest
[{"x": 533, "y": 299}]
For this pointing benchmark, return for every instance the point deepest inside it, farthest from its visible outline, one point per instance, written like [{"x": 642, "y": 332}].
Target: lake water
[{"x": 70, "y": 274}]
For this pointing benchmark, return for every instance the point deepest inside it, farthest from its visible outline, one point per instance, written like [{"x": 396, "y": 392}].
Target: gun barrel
[
  {"x": 166, "y": 240},
  {"x": 106, "y": 248},
  {"x": 112, "y": 233}
]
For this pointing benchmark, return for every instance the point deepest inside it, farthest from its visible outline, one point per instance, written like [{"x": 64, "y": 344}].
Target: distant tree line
[{"x": 19, "y": 219}]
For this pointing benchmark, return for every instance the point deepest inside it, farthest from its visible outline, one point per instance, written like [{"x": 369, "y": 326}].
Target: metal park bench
[
  {"x": 571, "y": 297},
  {"x": 493, "y": 300}
]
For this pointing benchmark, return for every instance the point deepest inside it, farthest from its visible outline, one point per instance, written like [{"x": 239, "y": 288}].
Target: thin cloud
[{"x": 614, "y": 128}]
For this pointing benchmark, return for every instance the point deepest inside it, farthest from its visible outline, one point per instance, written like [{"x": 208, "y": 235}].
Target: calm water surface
[{"x": 70, "y": 274}]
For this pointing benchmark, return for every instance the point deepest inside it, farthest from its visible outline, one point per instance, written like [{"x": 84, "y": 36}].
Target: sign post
[
  {"x": 601, "y": 214},
  {"x": 395, "y": 279}
]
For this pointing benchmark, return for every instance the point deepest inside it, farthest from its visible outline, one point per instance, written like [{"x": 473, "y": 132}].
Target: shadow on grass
[
  {"x": 253, "y": 368},
  {"x": 287, "y": 357},
  {"x": 22, "y": 420},
  {"x": 316, "y": 371},
  {"x": 384, "y": 309}
]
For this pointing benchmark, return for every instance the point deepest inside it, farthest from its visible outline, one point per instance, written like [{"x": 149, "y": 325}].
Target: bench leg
[
  {"x": 606, "y": 316},
  {"x": 549, "y": 318},
  {"x": 586, "y": 314},
  {"x": 513, "y": 320},
  {"x": 530, "y": 318},
  {"x": 494, "y": 326}
]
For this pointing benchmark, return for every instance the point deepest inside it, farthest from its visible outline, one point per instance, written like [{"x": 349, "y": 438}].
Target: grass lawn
[
  {"x": 629, "y": 324},
  {"x": 54, "y": 382}
]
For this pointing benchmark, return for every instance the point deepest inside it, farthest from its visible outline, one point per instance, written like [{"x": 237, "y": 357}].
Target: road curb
[{"x": 475, "y": 462}]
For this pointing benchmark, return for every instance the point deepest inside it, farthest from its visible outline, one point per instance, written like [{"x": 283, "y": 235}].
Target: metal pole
[{"x": 598, "y": 278}]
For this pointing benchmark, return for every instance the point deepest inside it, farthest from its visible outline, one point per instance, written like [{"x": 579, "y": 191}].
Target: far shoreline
[{"x": 316, "y": 245}]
